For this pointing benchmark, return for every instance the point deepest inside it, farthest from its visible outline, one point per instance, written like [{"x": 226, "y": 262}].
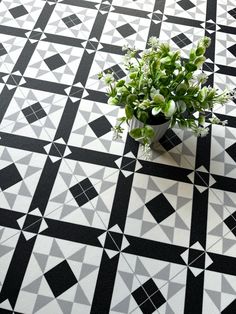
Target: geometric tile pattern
[{"x": 87, "y": 225}]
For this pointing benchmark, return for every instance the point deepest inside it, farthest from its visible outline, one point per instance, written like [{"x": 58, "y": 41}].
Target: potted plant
[{"x": 162, "y": 89}]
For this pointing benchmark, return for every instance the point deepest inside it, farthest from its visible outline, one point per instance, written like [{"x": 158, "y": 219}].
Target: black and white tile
[{"x": 87, "y": 225}]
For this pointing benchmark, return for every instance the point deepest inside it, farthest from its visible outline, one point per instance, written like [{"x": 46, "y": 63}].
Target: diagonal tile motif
[{"x": 87, "y": 224}]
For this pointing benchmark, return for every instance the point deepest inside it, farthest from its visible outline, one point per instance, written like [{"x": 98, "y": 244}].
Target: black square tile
[
  {"x": 196, "y": 258},
  {"x": 160, "y": 208},
  {"x": 201, "y": 178},
  {"x": 9, "y": 176},
  {"x": 83, "y": 192},
  {"x": 54, "y": 62},
  {"x": 34, "y": 112},
  {"x": 232, "y": 49},
  {"x": 128, "y": 164},
  {"x": 113, "y": 241},
  {"x": 60, "y": 278},
  {"x": 117, "y": 71},
  {"x": 186, "y": 4},
  {"x": 100, "y": 126},
  {"x": 18, "y": 11},
  {"x": 71, "y": 20},
  {"x": 181, "y": 40},
  {"x": 231, "y": 150},
  {"x": 170, "y": 140},
  {"x": 126, "y": 30},
  {"x": 57, "y": 149}
]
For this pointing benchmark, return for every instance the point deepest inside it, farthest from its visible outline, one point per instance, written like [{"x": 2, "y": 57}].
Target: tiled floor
[{"x": 87, "y": 225}]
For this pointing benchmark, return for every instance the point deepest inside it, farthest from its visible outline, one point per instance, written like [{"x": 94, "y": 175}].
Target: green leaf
[
  {"x": 200, "y": 51},
  {"x": 169, "y": 108},
  {"x": 148, "y": 131},
  {"x": 142, "y": 115},
  {"x": 136, "y": 133},
  {"x": 120, "y": 83},
  {"x": 181, "y": 89},
  {"x": 131, "y": 99},
  {"x": 156, "y": 110},
  {"x": 191, "y": 67},
  {"x": 129, "y": 112}
]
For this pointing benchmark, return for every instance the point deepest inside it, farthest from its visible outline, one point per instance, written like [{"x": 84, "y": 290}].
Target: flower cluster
[{"x": 161, "y": 86}]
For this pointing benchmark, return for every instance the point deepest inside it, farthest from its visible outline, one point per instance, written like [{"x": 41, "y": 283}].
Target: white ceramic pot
[{"x": 160, "y": 129}]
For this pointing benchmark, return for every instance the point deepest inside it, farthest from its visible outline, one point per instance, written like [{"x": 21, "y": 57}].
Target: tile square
[
  {"x": 113, "y": 241},
  {"x": 100, "y": 126},
  {"x": 160, "y": 208},
  {"x": 181, "y": 40},
  {"x": 9, "y": 176},
  {"x": 126, "y": 30},
  {"x": 60, "y": 278},
  {"x": 54, "y": 62},
  {"x": 186, "y": 4},
  {"x": 18, "y": 11},
  {"x": 71, "y": 20}
]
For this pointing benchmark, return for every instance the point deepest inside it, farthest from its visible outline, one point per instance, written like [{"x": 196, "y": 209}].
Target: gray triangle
[
  {"x": 86, "y": 115},
  {"x": 13, "y": 117},
  {"x": 34, "y": 286},
  {"x": 86, "y": 270},
  {"x": 18, "y": 125},
  {"x": 169, "y": 231},
  {"x": 60, "y": 198},
  {"x": 140, "y": 269},
  {"x": 37, "y": 129},
  {"x": 146, "y": 226},
  {"x": 25, "y": 160},
  {"x": 41, "y": 301},
  {"x": 79, "y": 255},
  {"x": 31, "y": 170},
  {"x": 55, "y": 250},
  {"x": 220, "y": 140},
  {"x": 6, "y": 156},
  {"x": 42, "y": 260},
  {"x": 141, "y": 193},
  {"x": 4, "y": 250},
  {"x": 106, "y": 143},
  {"x": 229, "y": 134},
  {"x": 173, "y": 288},
  {"x": 1, "y": 233},
  {"x": 218, "y": 230},
  {"x": 81, "y": 130},
  {"x": 49, "y": 124},
  {"x": 11, "y": 198},
  {"x": 138, "y": 214},
  {"x": 215, "y": 297},
  {"x": 96, "y": 109},
  {"x": 152, "y": 186},
  {"x": 89, "y": 214},
  {"x": 173, "y": 189},
  {"x": 169, "y": 309},
  {"x": 219, "y": 209},
  {"x": 106, "y": 185},
  {"x": 179, "y": 223},
  {"x": 176, "y": 157},
  {"x": 228, "y": 201},
  {"x": 67, "y": 177},
  {"x": 229, "y": 168},
  {"x": 79, "y": 170},
  {"x": 99, "y": 174},
  {"x": 80, "y": 296},
  {"x": 65, "y": 306},
  {"x": 101, "y": 206},
  {"x": 164, "y": 274},
  {"x": 227, "y": 244},
  {"x": 181, "y": 201},
  {"x": 123, "y": 306},
  {"x": 226, "y": 287},
  {"x": 220, "y": 157},
  {"x": 54, "y": 108},
  {"x": 127, "y": 278},
  {"x": 67, "y": 209},
  {"x": 186, "y": 150},
  {"x": 24, "y": 191},
  {"x": 87, "y": 140}
]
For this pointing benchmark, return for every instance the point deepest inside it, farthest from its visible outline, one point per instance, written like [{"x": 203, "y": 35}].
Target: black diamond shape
[
  {"x": 186, "y": 4},
  {"x": 9, "y": 176},
  {"x": 2, "y": 50},
  {"x": 170, "y": 140},
  {"x": 160, "y": 208},
  {"x": 140, "y": 297},
  {"x": 128, "y": 164},
  {"x": 54, "y": 62},
  {"x": 71, "y": 20},
  {"x": 34, "y": 112},
  {"x": 232, "y": 49},
  {"x": 196, "y": 258},
  {"x": 231, "y": 150},
  {"x": 78, "y": 192},
  {"x": 14, "y": 79},
  {"x": 181, "y": 40},
  {"x": 233, "y": 12},
  {"x": 230, "y": 222},
  {"x": 100, "y": 126},
  {"x": 113, "y": 241},
  {"x": 18, "y": 11},
  {"x": 57, "y": 149},
  {"x": 60, "y": 278},
  {"x": 211, "y": 26},
  {"x": 126, "y": 30}
]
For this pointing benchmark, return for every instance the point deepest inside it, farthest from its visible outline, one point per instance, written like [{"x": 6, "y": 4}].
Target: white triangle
[
  {"x": 196, "y": 271},
  {"x": 201, "y": 189},
  {"x": 102, "y": 238},
  {"x": 21, "y": 221},
  {"x": 126, "y": 173},
  {"x": 28, "y": 235},
  {"x": 47, "y": 148},
  {"x": 115, "y": 228},
  {"x": 36, "y": 212},
  {"x": 111, "y": 253},
  {"x": 60, "y": 141},
  {"x": 54, "y": 158},
  {"x": 6, "y": 305},
  {"x": 43, "y": 226}
]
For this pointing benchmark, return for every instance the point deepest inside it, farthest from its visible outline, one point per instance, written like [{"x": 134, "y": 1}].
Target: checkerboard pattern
[{"x": 87, "y": 225}]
